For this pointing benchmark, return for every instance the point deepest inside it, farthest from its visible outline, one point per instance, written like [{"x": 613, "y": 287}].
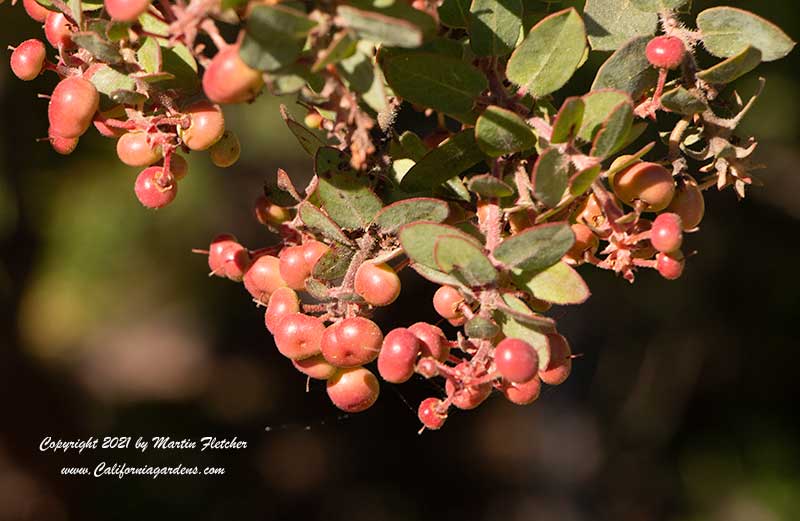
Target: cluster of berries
[{"x": 149, "y": 129}]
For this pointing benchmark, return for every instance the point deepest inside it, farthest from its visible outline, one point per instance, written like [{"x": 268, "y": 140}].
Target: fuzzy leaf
[
  {"x": 611, "y": 23},
  {"x": 581, "y": 181},
  {"x": 99, "y": 47},
  {"x": 382, "y": 27},
  {"x": 657, "y": 6},
  {"x": 462, "y": 258},
  {"x": 275, "y": 36},
  {"x": 500, "y": 131},
  {"x": 342, "y": 46},
  {"x": 733, "y": 68},
  {"x": 536, "y": 248},
  {"x": 413, "y": 145},
  {"x": 599, "y": 106},
  {"x": 613, "y": 132},
  {"x": 487, "y": 185},
  {"x": 149, "y": 55},
  {"x": 550, "y": 54},
  {"x": 494, "y": 26},
  {"x": 480, "y": 327},
  {"x": 727, "y": 31},
  {"x": 315, "y": 219},
  {"x": 449, "y": 159},
  {"x": 346, "y": 198},
  {"x": 628, "y": 70},
  {"x": 334, "y": 263},
  {"x": 682, "y": 101},
  {"x": 398, "y": 214},
  {"x": 550, "y": 177},
  {"x": 310, "y": 142},
  {"x": 419, "y": 240},
  {"x": 455, "y": 13},
  {"x": 568, "y": 120},
  {"x": 558, "y": 284}
]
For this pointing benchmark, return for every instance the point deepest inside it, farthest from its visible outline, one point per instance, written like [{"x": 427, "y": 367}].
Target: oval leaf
[
  {"x": 462, "y": 258},
  {"x": 727, "y": 31},
  {"x": 657, "y": 6},
  {"x": 558, "y": 284},
  {"x": 568, "y": 120},
  {"x": 380, "y": 28},
  {"x": 486, "y": 185},
  {"x": 611, "y": 23},
  {"x": 613, "y": 133},
  {"x": 275, "y": 36},
  {"x": 450, "y": 158},
  {"x": 398, "y": 214},
  {"x": 344, "y": 196},
  {"x": 494, "y": 26},
  {"x": 500, "y": 131},
  {"x": 682, "y": 101},
  {"x": 315, "y": 219},
  {"x": 732, "y": 68},
  {"x": 599, "y": 106},
  {"x": 419, "y": 240},
  {"x": 536, "y": 248},
  {"x": 550, "y": 177},
  {"x": 628, "y": 70}
]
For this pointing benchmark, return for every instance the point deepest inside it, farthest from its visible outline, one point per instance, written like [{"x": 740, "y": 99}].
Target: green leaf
[
  {"x": 419, "y": 240},
  {"x": 307, "y": 139},
  {"x": 361, "y": 75},
  {"x": 398, "y": 214},
  {"x": 613, "y": 132},
  {"x": 599, "y": 106},
  {"x": 346, "y": 198},
  {"x": 432, "y": 80},
  {"x": 315, "y": 219},
  {"x": 380, "y": 28},
  {"x": 512, "y": 327},
  {"x": 178, "y": 61},
  {"x": 536, "y": 248},
  {"x": 455, "y": 13},
  {"x": 611, "y": 23},
  {"x": 550, "y": 177},
  {"x": 550, "y": 54},
  {"x": 727, "y": 31},
  {"x": 334, "y": 263},
  {"x": 153, "y": 25},
  {"x": 111, "y": 83},
  {"x": 524, "y": 315},
  {"x": 682, "y": 101},
  {"x": 486, "y": 185},
  {"x": 500, "y": 131},
  {"x": 437, "y": 277},
  {"x": 558, "y": 284},
  {"x": 462, "y": 258},
  {"x": 732, "y": 68},
  {"x": 480, "y": 327},
  {"x": 581, "y": 181},
  {"x": 657, "y": 6},
  {"x": 275, "y": 37},
  {"x": 342, "y": 46},
  {"x": 450, "y": 158},
  {"x": 494, "y": 26},
  {"x": 628, "y": 70},
  {"x": 568, "y": 120},
  {"x": 99, "y": 47},
  {"x": 149, "y": 55},
  {"x": 413, "y": 145}
]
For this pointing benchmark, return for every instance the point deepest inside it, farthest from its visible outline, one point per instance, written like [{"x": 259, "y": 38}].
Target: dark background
[{"x": 683, "y": 407}]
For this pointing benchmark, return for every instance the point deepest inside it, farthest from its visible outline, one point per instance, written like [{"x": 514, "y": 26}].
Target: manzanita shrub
[{"x": 517, "y": 187}]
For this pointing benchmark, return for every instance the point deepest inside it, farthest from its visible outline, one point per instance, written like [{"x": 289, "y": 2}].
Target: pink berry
[
  {"x": 446, "y": 302},
  {"x": 206, "y": 126},
  {"x": 352, "y": 342},
  {"x": 398, "y": 355},
  {"x": 134, "y": 149},
  {"x": 229, "y": 80},
  {"x": 316, "y": 367},
  {"x": 35, "y": 10},
  {"x": 377, "y": 284},
  {"x": 293, "y": 267},
  {"x": 263, "y": 278},
  {"x": 126, "y": 10},
  {"x": 353, "y": 390},
  {"x": 72, "y": 107},
  {"x": 432, "y": 414},
  {"x": 560, "y": 364},
  {"x": 468, "y": 397},
  {"x": 649, "y": 184},
  {"x": 522, "y": 393},
  {"x": 585, "y": 242},
  {"x": 217, "y": 248},
  {"x": 666, "y": 52},
  {"x": 516, "y": 360},
  {"x": 298, "y": 336},
  {"x": 427, "y": 367},
  {"x": 313, "y": 252},
  {"x": 152, "y": 190},
  {"x": 667, "y": 233},
  {"x": 282, "y": 302},
  {"x": 434, "y": 343},
  {"x": 670, "y": 265},
  {"x": 63, "y": 145},
  {"x": 27, "y": 60},
  {"x": 228, "y": 258},
  {"x": 688, "y": 203},
  {"x": 58, "y": 31}
]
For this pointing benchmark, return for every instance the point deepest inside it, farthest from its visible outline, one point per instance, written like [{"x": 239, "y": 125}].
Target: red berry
[
  {"x": 263, "y": 278},
  {"x": 666, "y": 52},
  {"x": 63, "y": 145},
  {"x": 585, "y": 242},
  {"x": 293, "y": 267},
  {"x": 58, "y": 31},
  {"x": 282, "y": 302},
  {"x": 446, "y": 301},
  {"x": 353, "y": 390},
  {"x": 149, "y": 189},
  {"x": 688, "y": 203},
  {"x": 377, "y": 284},
  {"x": 228, "y": 258},
  {"x": 269, "y": 213},
  {"x": 229, "y": 80},
  {"x": 206, "y": 126},
  {"x": 126, "y": 10},
  {"x": 398, "y": 355},
  {"x": 432, "y": 414},
  {"x": 72, "y": 107},
  {"x": 667, "y": 233},
  {"x": 316, "y": 367},
  {"x": 650, "y": 183},
  {"x": 352, "y": 342},
  {"x": 434, "y": 343},
  {"x": 427, "y": 368},
  {"x": 178, "y": 167},
  {"x": 226, "y": 151},
  {"x": 133, "y": 149},
  {"x": 468, "y": 397},
  {"x": 560, "y": 364},
  {"x": 298, "y": 336},
  {"x": 670, "y": 265},
  {"x": 516, "y": 360},
  {"x": 522, "y": 393},
  {"x": 35, "y": 10},
  {"x": 27, "y": 60}
]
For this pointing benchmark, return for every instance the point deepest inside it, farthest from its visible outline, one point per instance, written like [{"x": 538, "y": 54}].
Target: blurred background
[{"x": 683, "y": 406}]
